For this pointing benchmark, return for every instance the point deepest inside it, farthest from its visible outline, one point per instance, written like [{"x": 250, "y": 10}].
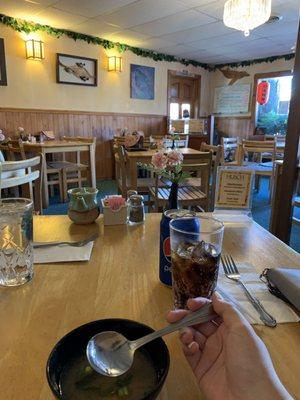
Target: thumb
[{"x": 226, "y": 311}]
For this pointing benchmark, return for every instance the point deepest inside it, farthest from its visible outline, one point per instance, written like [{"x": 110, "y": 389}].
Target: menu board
[
  {"x": 234, "y": 188},
  {"x": 230, "y": 100}
]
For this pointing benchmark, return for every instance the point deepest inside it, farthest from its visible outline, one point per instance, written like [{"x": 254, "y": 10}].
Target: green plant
[{"x": 272, "y": 123}]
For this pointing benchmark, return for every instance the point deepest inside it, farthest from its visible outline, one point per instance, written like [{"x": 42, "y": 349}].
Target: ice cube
[
  {"x": 204, "y": 250},
  {"x": 185, "y": 250}
]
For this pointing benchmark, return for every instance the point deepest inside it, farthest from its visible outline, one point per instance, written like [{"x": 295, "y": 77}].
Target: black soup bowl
[{"x": 74, "y": 345}]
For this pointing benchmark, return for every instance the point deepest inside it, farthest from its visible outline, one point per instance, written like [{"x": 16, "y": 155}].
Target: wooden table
[
  {"x": 135, "y": 157},
  {"x": 60, "y": 146},
  {"x": 121, "y": 280}
]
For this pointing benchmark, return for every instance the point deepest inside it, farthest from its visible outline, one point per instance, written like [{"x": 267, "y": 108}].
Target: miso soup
[{"x": 80, "y": 382}]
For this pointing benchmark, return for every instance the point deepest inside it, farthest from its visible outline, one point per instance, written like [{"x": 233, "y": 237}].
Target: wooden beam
[{"x": 282, "y": 221}]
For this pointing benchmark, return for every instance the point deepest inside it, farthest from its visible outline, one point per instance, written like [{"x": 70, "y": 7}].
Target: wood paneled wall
[
  {"x": 235, "y": 126},
  {"x": 101, "y": 125}
]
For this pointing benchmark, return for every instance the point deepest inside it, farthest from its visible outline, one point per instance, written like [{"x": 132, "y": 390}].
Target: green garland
[
  {"x": 271, "y": 59},
  {"x": 20, "y": 25}
]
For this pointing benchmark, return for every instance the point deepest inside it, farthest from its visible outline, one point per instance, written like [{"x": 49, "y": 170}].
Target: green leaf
[{"x": 27, "y": 27}]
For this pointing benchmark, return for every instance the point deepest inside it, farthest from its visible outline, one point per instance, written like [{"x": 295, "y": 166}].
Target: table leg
[
  {"x": 133, "y": 173},
  {"x": 93, "y": 166},
  {"x": 45, "y": 182}
]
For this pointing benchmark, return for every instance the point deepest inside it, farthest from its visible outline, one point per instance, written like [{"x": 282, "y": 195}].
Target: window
[
  {"x": 174, "y": 111},
  {"x": 271, "y": 118}
]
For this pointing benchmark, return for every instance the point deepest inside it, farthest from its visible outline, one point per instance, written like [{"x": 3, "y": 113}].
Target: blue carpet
[{"x": 260, "y": 207}]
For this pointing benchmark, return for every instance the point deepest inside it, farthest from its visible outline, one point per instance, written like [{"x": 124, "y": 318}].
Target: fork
[
  {"x": 232, "y": 272},
  {"x": 79, "y": 243}
]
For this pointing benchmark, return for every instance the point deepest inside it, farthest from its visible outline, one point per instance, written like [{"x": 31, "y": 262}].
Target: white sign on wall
[{"x": 230, "y": 100}]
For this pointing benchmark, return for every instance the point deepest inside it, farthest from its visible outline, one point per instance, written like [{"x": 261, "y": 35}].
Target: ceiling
[{"x": 185, "y": 28}]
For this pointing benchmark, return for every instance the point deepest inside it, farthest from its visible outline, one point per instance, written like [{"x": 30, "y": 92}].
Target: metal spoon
[{"x": 111, "y": 354}]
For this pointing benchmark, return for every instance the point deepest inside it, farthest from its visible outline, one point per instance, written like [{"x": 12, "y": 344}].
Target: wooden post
[{"x": 282, "y": 221}]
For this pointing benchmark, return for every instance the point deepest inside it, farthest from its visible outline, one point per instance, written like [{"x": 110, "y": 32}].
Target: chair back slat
[
  {"x": 17, "y": 173},
  {"x": 217, "y": 154},
  {"x": 17, "y": 165}
]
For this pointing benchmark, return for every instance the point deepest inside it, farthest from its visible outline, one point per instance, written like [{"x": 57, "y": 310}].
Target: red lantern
[{"x": 263, "y": 93}]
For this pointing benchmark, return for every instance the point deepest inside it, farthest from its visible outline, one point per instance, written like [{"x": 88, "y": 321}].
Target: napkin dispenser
[{"x": 284, "y": 283}]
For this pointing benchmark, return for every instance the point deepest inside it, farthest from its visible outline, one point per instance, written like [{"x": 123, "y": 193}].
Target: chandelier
[{"x": 245, "y": 15}]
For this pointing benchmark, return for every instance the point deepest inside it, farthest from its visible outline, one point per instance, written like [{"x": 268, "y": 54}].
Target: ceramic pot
[{"x": 83, "y": 206}]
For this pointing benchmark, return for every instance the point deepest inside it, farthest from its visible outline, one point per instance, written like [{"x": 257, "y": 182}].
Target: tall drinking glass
[
  {"x": 196, "y": 244},
  {"x": 16, "y": 252}
]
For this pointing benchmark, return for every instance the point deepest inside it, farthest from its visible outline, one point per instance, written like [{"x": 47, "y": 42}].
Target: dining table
[
  {"x": 61, "y": 146},
  {"x": 134, "y": 157},
  {"x": 121, "y": 280}
]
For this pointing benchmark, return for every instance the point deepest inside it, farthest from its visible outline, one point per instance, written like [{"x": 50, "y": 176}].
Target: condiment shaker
[{"x": 136, "y": 211}]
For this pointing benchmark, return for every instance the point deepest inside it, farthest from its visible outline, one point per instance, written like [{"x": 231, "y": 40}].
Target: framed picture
[
  {"x": 3, "y": 77},
  {"x": 74, "y": 70},
  {"x": 141, "y": 82}
]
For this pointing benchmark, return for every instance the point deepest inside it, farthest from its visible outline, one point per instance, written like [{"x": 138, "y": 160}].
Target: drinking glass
[
  {"x": 16, "y": 251},
  {"x": 196, "y": 244}
]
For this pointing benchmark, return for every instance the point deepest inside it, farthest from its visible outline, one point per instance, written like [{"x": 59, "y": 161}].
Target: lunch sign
[{"x": 234, "y": 188}]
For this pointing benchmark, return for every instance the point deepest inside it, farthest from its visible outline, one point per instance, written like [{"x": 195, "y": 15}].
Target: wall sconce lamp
[
  {"x": 34, "y": 49},
  {"x": 115, "y": 64}
]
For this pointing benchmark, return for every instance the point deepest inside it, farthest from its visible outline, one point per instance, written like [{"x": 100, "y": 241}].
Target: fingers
[
  {"x": 198, "y": 302},
  {"x": 176, "y": 315},
  {"x": 190, "y": 349},
  {"x": 207, "y": 328},
  {"x": 190, "y": 335},
  {"x": 227, "y": 312}
]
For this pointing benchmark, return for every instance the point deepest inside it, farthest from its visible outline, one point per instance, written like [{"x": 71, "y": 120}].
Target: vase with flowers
[{"x": 168, "y": 165}]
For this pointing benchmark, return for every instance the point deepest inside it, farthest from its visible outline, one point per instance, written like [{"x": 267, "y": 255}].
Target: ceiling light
[
  {"x": 245, "y": 15},
  {"x": 34, "y": 49}
]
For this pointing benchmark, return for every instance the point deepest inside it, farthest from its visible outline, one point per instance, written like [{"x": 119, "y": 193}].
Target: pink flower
[
  {"x": 159, "y": 160},
  {"x": 114, "y": 202},
  {"x": 20, "y": 129},
  {"x": 174, "y": 157}
]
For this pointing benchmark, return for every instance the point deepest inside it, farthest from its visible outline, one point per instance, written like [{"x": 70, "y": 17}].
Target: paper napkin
[
  {"x": 62, "y": 253},
  {"x": 234, "y": 293}
]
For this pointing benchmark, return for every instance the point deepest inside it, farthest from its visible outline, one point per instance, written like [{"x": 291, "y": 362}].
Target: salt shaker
[{"x": 136, "y": 212}]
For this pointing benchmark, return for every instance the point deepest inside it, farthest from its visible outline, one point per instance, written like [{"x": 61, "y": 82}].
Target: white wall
[{"x": 32, "y": 84}]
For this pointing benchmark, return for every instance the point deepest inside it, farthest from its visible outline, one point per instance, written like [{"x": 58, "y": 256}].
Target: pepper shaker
[{"x": 136, "y": 212}]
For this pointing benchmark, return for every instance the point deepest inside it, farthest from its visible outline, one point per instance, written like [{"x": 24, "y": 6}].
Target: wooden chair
[
  {"x": 257, "y": 149},
  {"x": 178, "y": 125},
  {"x": 230, "y": 154},
  {"x": 71, "y": 171},
  {"x": 280, "y": 146},
  {"x": 122, "y": 176},
  {"x": 14, "y": 150},
  {"x": 192, "y": 193},
  {"x": 24, "y": 172},
  {"x": 217, "y": 153}
]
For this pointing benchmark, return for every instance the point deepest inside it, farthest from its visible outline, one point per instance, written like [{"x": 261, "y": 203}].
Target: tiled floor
[{"x": 260, "y": 207}]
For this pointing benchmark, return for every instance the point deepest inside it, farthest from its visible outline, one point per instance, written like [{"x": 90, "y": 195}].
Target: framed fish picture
[
  {"x": 74, "y": 70},
  {"x": 3, "y": 77},
  {"x": 142, "y": 82}
]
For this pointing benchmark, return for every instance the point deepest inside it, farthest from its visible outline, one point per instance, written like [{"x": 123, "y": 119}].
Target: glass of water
[{"x": 16, "y": 251}]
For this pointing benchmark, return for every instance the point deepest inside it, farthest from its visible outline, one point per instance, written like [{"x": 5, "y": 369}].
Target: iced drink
[{"x": 195, "y": 259}]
